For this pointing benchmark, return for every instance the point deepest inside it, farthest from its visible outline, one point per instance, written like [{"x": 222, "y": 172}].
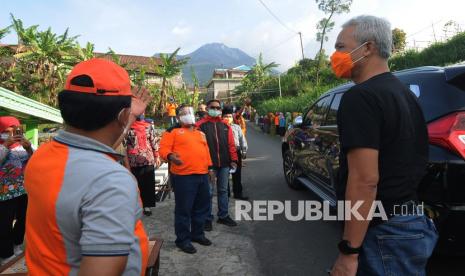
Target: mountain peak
[{"x": 211, "y": 56}]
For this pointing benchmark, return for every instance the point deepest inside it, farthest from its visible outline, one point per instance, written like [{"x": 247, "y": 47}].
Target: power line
[
  {"x": 277, "y": 18},
  {"x": 270, "y": 49}
]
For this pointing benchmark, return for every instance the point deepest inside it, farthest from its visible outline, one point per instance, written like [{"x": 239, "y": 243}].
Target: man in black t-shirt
[{"x": 384, "y": 152}]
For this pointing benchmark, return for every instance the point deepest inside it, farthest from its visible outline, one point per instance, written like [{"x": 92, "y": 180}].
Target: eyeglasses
[{"x": 215, "y": 107}]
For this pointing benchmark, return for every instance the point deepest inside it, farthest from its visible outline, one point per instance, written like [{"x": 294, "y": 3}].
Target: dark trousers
[
  {"x": 145, "y": 176},
  {"x": 237, "y": 177},
  {"x": 12, "y": 235},
  {"x": 192, "y": 201}
]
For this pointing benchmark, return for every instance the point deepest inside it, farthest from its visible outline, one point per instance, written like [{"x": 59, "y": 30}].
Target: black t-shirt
[{"x": 381, "y": 113}]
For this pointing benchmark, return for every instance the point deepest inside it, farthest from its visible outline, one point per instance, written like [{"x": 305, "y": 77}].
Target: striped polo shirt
[{"x": 81, "y": 203}]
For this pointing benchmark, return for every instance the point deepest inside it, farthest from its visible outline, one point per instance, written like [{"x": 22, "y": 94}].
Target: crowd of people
[
  {"x": 99, "y": 174},
  {"x": 77, "y": 199},
  {"x": 275, "y": 123}
]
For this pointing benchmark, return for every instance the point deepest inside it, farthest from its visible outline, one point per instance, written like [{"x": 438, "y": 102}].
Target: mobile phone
[{"x": 18, "y": 132}]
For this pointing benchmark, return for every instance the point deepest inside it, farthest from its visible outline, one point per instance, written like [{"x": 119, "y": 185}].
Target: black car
[{"x": 310, "y": 148}]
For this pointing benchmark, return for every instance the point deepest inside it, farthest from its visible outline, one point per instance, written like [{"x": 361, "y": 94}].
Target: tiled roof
[{"x": 134, "y": 62}]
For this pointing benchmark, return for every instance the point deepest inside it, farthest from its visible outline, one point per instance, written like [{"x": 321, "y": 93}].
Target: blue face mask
[{"x": 214, "y": 112}]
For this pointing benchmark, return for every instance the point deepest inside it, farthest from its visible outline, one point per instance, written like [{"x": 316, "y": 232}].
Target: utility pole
[
  {"x": 279, "y": 82},
  {"x": 301, "y": 44}
]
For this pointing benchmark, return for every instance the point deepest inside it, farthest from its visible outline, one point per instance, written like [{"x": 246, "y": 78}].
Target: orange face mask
[{"x": 342, "y": 64}]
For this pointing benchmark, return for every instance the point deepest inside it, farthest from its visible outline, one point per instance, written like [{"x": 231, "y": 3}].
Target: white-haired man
[{"x": 384, "y": 152}]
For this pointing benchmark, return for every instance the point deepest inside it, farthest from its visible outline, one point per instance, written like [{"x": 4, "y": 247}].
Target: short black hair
[
  {"x": 90, "y": 111},
  {"x": 180, "y": 108},
  {"x": 212, "y": 101},
  {"x": 228, "y": 109}
]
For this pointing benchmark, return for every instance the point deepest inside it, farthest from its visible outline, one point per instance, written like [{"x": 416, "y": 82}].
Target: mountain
[{"x": 211, "y": 56}]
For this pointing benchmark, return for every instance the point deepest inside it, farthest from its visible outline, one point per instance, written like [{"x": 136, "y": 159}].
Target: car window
[
  {"x": 316, "y": 115},
  {"x": 331, "y": 119}
]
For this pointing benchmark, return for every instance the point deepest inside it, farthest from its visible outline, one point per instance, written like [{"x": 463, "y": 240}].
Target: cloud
[{"x": 181, "y": 30}]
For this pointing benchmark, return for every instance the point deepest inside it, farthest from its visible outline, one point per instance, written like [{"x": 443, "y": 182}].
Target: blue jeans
[
  {"x": 400, "y": 246},
  {"x": 192, "y": 201},
  {"x": 222, "y": 180}
]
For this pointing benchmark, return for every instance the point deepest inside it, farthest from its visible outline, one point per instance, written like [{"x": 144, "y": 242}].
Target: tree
[
  {"x": 450, "y": 29},
  {"x": 169, "y": 67},
  {"x": 38, "y": 65},
  {"x": 257, "y": 76},
  {"x": 398, "y": 40},
  {"x": 195, "y": 80},
  {"x": 325, "y": 25}
]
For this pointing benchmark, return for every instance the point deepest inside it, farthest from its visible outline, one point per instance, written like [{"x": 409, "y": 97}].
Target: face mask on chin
[{"x": 342, "y": 63}]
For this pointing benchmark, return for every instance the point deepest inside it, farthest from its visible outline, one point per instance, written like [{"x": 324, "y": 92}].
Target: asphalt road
[{"x": 298, "y": 247}]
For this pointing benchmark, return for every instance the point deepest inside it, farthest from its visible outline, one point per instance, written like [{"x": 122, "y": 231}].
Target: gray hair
[{"x": 372, "y": 28}]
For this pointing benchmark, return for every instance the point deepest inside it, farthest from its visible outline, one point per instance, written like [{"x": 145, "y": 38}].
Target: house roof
[
  {"x": 242, "y": 68},
  {"x": 133, "y": 62}
]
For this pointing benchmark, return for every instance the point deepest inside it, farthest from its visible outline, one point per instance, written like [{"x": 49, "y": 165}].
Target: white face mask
[
  {"x": 4, "y": 136},
  {"x": 188, "y": 119}
]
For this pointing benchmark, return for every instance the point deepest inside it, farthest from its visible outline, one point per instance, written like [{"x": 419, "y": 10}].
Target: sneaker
[
  {"x": 147, "y": 211},
  {"x": 188, "y": 248},
  {"x": 4, "y": 261},
  {"x": 203, "y": 241},
  {"x": 227, "y": 221},
  {"x": 18, "y": 250},
  {"x": 208, "y": 226}
]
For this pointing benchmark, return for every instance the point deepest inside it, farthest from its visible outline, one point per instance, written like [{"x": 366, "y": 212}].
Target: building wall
[
  {"x": 176, "y": 81},
  {"x": 222, "y": 88}
]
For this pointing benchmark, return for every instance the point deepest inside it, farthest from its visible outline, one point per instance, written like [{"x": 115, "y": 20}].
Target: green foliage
[
  {"x": 325, "y": 25},
  {"x": 298, "y": 103},
  {"x": 438, "y": 54},
  {"x": 37, "y": 67},
  {"x": 398, "y": 40}
]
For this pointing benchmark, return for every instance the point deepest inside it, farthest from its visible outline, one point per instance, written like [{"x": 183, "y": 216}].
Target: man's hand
[
  {"x": 174, "y": 157},
  {"x": 346, "y": 265},
  {"x": 233, "y": 165},
  {"x": 140, "y": 99},
  {"x": 212, "y": 176}
]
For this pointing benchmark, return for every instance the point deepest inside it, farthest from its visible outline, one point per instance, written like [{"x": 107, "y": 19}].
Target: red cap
[
  {"x": 99, "y": 76},
  {"x": 8, "y": 121}
]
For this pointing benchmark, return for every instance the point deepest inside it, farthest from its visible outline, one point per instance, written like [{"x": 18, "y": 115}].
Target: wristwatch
[{"x": 346, "y": 249}]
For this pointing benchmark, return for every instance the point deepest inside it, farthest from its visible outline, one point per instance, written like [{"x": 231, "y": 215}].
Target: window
[
  {"x": 331, "y": 120},
  {"x": 316, "y": 115}
]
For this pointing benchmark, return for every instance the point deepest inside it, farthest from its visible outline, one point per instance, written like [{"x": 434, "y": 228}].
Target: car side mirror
[{"x": 297, "y": 121}]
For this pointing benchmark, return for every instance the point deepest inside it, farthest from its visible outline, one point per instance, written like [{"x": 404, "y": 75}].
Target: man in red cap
[{"x": 84, "y": 208}]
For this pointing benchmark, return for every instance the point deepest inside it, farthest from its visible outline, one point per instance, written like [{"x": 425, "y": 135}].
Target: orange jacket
[
  {"x": 276, "y": 120},
  {"x": 191, "y": 147},
  {"x": 171, "y": 109}
]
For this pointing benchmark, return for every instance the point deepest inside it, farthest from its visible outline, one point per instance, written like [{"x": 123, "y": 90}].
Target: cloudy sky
[{"x": 145, "y": 27}]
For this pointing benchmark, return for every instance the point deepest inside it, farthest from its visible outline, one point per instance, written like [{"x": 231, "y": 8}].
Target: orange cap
[{"x": 101, "y": 77}]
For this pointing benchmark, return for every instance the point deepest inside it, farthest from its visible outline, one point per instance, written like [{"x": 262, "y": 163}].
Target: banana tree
[
  {"x": 170, "y": 66},
  {"x": 195, "y": 80}
]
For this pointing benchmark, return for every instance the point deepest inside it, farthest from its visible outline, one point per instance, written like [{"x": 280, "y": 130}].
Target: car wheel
[{"x": 290, "y": 171}]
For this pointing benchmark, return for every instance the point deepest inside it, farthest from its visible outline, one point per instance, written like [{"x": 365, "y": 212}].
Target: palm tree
[
  {"x": 257, "y": 77},
  {"x": 196, "y": 87},
  {"x": 169, "y": 67}
]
